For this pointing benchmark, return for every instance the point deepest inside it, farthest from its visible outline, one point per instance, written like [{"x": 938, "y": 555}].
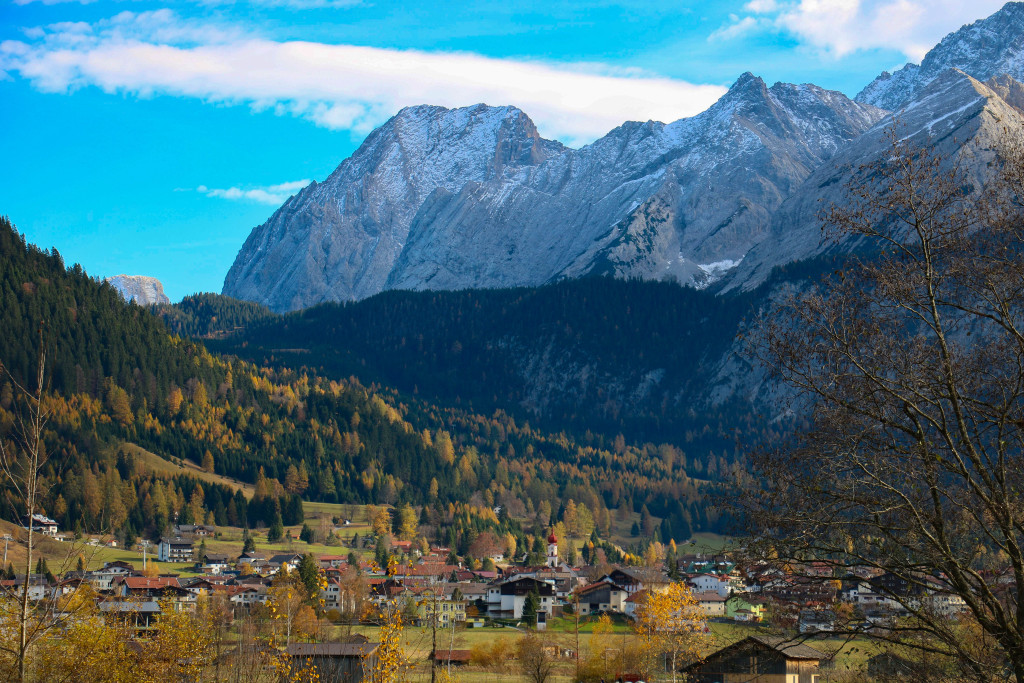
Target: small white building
[
  {"x": 44, "y": 525},
  {"x": 703, "y": 583}
]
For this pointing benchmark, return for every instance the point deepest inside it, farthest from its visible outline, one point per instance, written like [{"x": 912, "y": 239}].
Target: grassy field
[
  {"x": 63, "y": 556},
  {"x": 706, "y": 543},
  {"x": 159, "y": 464}
]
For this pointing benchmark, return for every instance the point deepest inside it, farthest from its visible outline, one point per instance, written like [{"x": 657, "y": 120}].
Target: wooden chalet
[
  {"x": 602, "y": 596},
  {"x": 334, "y": 662},
  {"x": 759, "y": 659}
]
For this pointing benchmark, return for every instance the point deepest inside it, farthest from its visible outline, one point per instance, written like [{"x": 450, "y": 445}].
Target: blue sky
[{"x": 147, "y": 138}]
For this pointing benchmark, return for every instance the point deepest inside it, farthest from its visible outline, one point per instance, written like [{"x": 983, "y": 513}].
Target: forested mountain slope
[
  {"x": 115, "y": 375},
  {"x": 207, "y": 315},
  {"x": 596, "y": 354}
]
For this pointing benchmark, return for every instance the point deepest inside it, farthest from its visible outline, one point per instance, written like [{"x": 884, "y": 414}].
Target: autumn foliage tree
[
  {"x": 670, "y": 624},
  {"x": 391, "y": 664}
]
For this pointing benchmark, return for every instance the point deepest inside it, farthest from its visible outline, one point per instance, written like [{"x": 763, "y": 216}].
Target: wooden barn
[
  {"x": 759, "y": 659},
  {"x": 334, "y": 662}
]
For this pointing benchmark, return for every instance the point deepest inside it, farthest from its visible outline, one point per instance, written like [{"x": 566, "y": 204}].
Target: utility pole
[
  {"x": 433, "y": 632},
  {"x": 145, "y": 544}
]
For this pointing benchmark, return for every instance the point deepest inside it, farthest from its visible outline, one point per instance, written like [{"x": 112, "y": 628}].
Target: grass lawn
[
  {"x": 567, "y": 624},
  {"x": 848, "y": 654}
]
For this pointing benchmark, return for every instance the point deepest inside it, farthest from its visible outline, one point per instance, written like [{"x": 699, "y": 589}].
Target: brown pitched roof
[
  {"x": 709, "y": 596},
  {"x": 791, "y": 649},
  {"x": 145, "y": 582},
  {"x": 599, "y": 584},
  {"x": 452, "y": 655},
  {"x": 784, "y": 646},
  {"x": 331, "y": 649}
]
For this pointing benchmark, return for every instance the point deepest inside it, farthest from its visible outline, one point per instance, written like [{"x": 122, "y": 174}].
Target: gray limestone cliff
[
  {"x": 141, "y": 289},
  {"x": 462, "y": 198},
  {"x": 474, "y": 197}
]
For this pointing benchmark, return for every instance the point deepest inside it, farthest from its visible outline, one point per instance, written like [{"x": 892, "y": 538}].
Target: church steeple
[{"x": 552, "y": 560}]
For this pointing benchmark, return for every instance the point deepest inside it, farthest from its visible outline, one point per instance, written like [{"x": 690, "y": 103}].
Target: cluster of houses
[
  {"x": 432, "y": 587},
  {"x": 457, "y": 594},
  {"x": 811, "y": 595}
]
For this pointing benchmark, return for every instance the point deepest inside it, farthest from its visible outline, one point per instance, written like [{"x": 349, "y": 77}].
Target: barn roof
[{"x": 331, "y": 649}]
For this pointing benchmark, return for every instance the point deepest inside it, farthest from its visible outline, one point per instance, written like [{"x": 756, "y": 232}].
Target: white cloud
[
  {"x": 338, "y": 86},
  {"x": 288, "y": 4},
  {"x": 737, "y": 28},
  {"x": 840, "y": 27},
  {"x": 271, "y": 194}
]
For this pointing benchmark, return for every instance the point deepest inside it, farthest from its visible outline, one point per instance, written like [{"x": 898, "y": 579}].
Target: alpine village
[{"x": 737, "y": 397}]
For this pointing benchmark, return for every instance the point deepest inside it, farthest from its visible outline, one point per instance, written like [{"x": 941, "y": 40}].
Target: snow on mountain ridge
[
  {"x": 954, "y": 112},
  {"x": 983, "y": 49},
  {"x": 475, "y": 197}
]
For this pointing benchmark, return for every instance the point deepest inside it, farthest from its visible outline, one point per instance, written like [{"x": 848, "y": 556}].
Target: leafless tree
[
  {"x": 909, "y": 361},
  {"x": 535, "y": 658},
  {"x": 23, "y": 459},
  {"x": 21, "y": 462}
]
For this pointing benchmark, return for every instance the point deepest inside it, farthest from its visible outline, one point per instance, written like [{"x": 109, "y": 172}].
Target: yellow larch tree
[
  {"x": 391, "y": 664},
  {"x": 671, "y": 624}
]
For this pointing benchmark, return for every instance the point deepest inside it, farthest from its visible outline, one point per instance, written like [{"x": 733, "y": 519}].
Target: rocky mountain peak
[
  {"x": 747, "y": 81},
  {"x": 141, "y": 289},
  {"x": 951, "y": 114},
  {"x": 474, "y": 197},
  {"x": 424, "y": 129},
  {"x": 983, "y": 49}
]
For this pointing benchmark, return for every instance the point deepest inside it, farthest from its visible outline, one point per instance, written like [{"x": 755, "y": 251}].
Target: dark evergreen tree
[
  {"x": 381, "y": 553},
  {"x": 276, "y": 531},
  {"x": 248, "y": 543},
  {"x": 309, "y": 574},
  {"x": 530, "y": 608}
]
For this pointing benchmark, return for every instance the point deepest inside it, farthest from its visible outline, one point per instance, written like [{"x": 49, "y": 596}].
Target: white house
[
  {"x": 603, "y": 596},
  {"x": 103, "y": 579},
  {"x": 506, "y": 599},
  {"x": 248, "y": 595},
  {"x": 711, "y": 602},
  {"x": 703, "y": 583},
  {"x": 175, "y": 550},
  {"x": 44, "y": 525}
]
